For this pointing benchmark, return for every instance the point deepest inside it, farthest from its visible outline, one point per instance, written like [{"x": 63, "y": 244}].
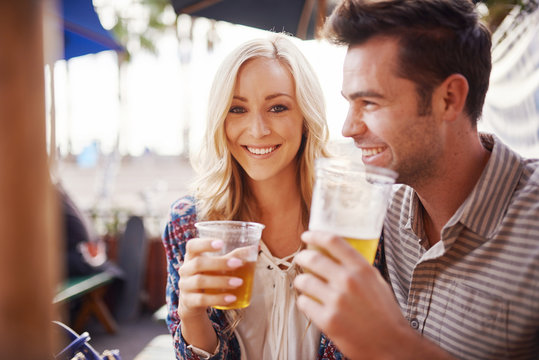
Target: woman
[{"x": 266, "y": 125}]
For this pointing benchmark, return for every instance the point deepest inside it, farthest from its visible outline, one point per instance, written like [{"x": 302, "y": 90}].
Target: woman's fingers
[
  {"x": 203, "y": 300},
  {"x": 204, "y": 282},
  {"x": 209, "y": 264},
  {"x": 204, "y": 279},
  {"x": 197, "y": 246},
  {"x": 203, "y": 290}
]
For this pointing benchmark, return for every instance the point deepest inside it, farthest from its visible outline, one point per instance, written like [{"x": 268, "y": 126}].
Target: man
[{"x": 461, "y": 237}]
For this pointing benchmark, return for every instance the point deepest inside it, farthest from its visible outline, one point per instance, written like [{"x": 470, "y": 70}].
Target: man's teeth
[
  {"x": 261, "y": 151},
  {"x": 372, "y": 151}
]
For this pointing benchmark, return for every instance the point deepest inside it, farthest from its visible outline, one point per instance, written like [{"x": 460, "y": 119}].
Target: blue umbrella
[
  {"x": 299, "y": 17},
  {"x": 83, "y": 32}
]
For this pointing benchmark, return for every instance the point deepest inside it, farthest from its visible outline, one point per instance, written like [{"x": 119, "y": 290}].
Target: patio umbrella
[
  {"x": 298, "y": 17},
  {"x": 83, "y": 32}
]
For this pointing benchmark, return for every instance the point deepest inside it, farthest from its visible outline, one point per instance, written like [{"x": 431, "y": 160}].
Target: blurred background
[
  {"x": 122, "y": 119},
  {"x": 125, "y": 94},
  {"x": 126, "y": 121}
]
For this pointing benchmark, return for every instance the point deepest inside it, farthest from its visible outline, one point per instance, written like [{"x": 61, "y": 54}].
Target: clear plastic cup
[
  {"x": 240, "y": 240},
  {"x": 351, "y": 200}
]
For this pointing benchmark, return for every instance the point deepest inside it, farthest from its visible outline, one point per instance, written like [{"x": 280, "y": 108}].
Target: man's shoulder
[
  {"x": 531, "y": 170},
  {"x": 527, "y": 192}
]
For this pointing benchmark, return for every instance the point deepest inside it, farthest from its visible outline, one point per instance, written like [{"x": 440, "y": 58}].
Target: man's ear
[{"x": 451, "y": 96}]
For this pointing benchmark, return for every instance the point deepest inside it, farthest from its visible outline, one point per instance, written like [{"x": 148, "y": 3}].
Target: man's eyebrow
[{"x": 359, "y": 94}]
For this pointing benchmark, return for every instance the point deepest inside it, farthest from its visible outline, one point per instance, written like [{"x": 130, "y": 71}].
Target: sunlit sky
[
  {"x": 163, "y": 100},
  {"x": 160, "y": 96}
]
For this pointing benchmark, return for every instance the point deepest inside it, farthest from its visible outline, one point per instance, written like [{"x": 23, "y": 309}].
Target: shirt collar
[
  {"x": 483, "y": 209},
  {"x": 487, "y": 203}
]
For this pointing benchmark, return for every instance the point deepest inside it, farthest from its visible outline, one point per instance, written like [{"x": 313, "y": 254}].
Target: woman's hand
[{"x": 202, "y": 283}]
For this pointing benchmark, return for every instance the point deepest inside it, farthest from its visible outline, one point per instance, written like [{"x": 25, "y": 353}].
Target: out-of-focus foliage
[
  {"x": 138, "y": 23},
  {"x": 498, "y": 10}
]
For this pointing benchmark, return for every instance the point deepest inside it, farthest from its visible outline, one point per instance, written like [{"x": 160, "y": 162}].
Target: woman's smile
[{"x": 259, "y": 150}]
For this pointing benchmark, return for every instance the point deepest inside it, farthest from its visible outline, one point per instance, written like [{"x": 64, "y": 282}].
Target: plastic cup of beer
[
  {"x": 350, "y": 199},
  {"x": 240, "y": 240}
]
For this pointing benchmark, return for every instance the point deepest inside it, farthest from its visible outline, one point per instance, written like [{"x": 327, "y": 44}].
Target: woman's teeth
[{"x": 261, "y": 151}]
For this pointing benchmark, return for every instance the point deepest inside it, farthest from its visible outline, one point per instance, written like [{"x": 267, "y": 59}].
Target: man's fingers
[
  {"x": 312, "y": 286},
  {"x": 312, "y": 309},
  {"x": 315, "y": 262}
]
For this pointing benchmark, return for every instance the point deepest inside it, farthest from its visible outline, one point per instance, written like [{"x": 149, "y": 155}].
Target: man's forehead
[
  {"x": 371, "y": 59},
  {"x": 378, "y": 48}
]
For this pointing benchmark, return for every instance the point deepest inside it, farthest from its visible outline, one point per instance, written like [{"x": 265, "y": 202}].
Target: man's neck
[{"x": 442, "y": 195}]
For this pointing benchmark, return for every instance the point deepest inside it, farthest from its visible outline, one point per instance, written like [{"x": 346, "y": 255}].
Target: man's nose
[
  {"x": 354, "y": 124},
  {"x": 258, "y": 126}
]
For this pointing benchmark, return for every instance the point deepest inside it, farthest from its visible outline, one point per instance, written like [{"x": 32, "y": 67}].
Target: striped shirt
[{"x": 475, "y": 293}]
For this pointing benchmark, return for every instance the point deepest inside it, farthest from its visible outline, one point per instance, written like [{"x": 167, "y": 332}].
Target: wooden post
[
  {"x": 321, "y": 18},
  {"x": 28, "y": 211}
]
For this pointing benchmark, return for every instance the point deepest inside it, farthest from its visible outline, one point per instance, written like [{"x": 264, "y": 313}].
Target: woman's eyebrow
[
  {"x": 269, "y": 97},
  {"x": 273, "y": 96},
  {"x": 240, "y": 98}
]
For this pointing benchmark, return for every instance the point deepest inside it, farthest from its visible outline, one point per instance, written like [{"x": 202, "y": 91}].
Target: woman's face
[{"x": 264, "y": 124}]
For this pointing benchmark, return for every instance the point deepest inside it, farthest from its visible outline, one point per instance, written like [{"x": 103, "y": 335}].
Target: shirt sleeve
[
  {"x": 202, "y": 353},
  {"x": 180, "y": 229}
]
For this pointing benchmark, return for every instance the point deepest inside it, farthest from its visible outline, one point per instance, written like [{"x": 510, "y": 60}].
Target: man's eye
[
  {"x": 368, "y": 104},
  {"x": 278, "y": 108},
  {"x": 237, "y": 110}
]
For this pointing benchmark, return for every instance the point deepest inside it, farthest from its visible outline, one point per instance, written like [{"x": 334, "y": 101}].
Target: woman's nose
[
  {"x": 258, "y": 126},
  {"x": 353, "y": 125}
]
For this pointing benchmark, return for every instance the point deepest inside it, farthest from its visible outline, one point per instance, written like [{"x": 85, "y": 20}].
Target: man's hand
[{"x": 350, "y": 302}]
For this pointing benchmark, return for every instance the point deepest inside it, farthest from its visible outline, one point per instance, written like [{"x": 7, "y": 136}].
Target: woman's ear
[{"x": 451, "y": 96}]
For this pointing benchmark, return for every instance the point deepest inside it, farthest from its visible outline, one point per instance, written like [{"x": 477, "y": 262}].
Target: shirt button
[{"x": 414, "y": 324}]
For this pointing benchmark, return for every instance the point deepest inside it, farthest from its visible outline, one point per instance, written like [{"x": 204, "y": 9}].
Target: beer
[
  {"x": 366, "y": 247},
  {"x": 350, "y": 199},
  {"x": 240, "y": 240},
  {"x": 242, "y": 292}
]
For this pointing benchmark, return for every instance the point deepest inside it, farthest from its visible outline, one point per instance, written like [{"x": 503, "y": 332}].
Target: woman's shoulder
[
  {"x": 184, "y": 206},
  {"x": 181, "y": 222}
]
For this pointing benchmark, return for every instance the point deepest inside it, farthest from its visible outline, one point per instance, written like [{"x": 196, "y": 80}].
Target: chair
[
  {"x": 132, "y": 250},
  {"x": 91, "y": 289}
]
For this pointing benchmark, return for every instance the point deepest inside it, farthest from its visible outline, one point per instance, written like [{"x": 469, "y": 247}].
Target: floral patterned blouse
[{"x": 180, "y": 229}]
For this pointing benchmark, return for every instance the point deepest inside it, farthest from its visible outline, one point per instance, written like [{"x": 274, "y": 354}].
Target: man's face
[{"x": 383, "y": 115}]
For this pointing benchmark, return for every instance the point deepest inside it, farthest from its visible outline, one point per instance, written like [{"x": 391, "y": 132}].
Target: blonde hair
[{"x": 220, "y": 188}]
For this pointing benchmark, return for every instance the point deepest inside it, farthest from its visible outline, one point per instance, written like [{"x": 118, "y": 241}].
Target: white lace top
[{"x": 272, "y": 327}]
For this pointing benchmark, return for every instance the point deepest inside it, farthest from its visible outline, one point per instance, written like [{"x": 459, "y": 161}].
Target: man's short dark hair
[{"x": 437, "y": 38}]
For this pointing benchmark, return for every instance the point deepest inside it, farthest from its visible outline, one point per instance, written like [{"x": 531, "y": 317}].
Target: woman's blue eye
[
  {"x": 236, "y": 110},
  {"x": 278, "y": 108}
]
